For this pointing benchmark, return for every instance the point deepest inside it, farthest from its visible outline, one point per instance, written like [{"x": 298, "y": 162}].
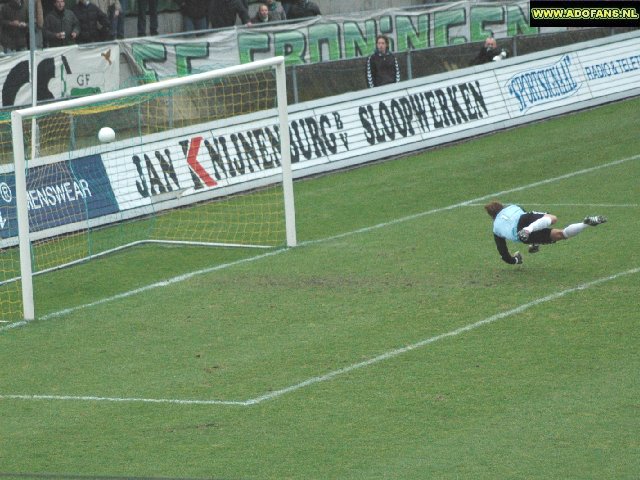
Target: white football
[{"x": 106, "y": 135}]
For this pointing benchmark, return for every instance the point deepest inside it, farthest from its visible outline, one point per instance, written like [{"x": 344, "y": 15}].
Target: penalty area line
[
  {"x": 341, "y": 371},
  {"x": 399, "y": 351},
  {"x": 603, "y": 205},
  {"x": 92, "y": 398}
]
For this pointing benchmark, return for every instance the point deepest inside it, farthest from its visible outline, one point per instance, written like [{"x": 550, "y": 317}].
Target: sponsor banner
[
  {"x": 611, "y": 68},
  {"x": 210, "y": 157},
  {"x": 58, "y": 194},
  {"x": 214, "y": 157},
  {"x": 553, "y": 81},
  {"x": 62, "y": 72},
  {"x": 570, "y": 78},
  {"x": 581, "y": 13},
  {"x": 410, "y": 118},
  {"x": 8, "y": 220},
  {"x": 371, "y": 124},
  {"x": 134, "y": 178}
]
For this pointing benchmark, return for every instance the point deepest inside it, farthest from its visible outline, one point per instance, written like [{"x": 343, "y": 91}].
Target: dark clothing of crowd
[
  {"x": 144, "y": 7},
  {"x": 382, "y": 69},
  {"x": 222, "y": 13},
  {"x": 195, "y": 8},
  {"x": 15, "y": 18},
  {"x": 303, "y": 9},
  {"x": 91, "y": 24},
  {"x": 60, "y": 21},
  {"x": 488, "y": 53},
  {"x": 94, "y": 23}
]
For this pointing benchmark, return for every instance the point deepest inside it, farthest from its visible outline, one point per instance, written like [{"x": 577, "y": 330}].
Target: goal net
[{"x": 200, "y": 160}]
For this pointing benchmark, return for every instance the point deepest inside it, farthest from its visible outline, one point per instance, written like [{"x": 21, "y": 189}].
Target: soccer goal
[{"x": 198, "y": 160}]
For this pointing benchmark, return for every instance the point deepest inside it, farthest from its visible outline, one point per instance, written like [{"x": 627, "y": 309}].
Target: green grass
[{"x": 547, "y": 391}]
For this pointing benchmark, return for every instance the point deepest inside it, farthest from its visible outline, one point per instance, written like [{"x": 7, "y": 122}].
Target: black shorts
[{"x": 541, "y": 236}]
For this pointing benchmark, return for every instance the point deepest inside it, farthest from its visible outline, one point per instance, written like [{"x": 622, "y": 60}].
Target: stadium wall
[
  {"x": 410, "y": 116},
  {"x": 337, "y": 132}
]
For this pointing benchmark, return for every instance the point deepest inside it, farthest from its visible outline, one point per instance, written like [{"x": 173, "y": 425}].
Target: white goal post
[{"x": 202, "y": 160}]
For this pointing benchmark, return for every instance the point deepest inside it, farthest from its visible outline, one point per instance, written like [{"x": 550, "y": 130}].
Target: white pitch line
[
  {"x": 422, "y": 343},
  {"x": 90, "y": 398},
  {"x": 603, "y": 205},
  {"x": 153, "y": 286},
  {"x": 205, "y": 271},
  {"x": 336, "y": 373},
  {"x": 474, "y": 200}
]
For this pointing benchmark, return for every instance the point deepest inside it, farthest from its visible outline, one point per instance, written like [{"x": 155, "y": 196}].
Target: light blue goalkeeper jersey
[{"x": 506, "y": 223}]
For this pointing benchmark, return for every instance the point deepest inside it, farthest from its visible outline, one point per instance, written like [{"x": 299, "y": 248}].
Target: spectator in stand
[
  {"x": 39, "y": 18},
  {"x": 222, "y": 13},
  {"x": 145, "y": 6},
  {"x": 47, "y": 7},
  {"x": 303, "y": 9},
  {"x": 94, "y": 23},
  {"x": 489, "y": 52},
  {"x": 14, "y": 19},
  {"x": 61, "y": 27},
  {"x": 276, "y": 11},
  {"x": 194, "y": 15},
  {"x": 262, "y": 15},
  {"x": 382, "y": 66},
  {"x": 124, "y": 8},
  {"x": 286, "y": 6},
  {"x": 114, "y": 11},
  {"x": 118, "y": 21}
]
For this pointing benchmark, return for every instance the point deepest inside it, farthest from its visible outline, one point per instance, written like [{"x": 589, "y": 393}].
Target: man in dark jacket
[
  {"x": 222, "y": 13},
  {"x": 489, "y": 52},
  {"x": 150, "y": 6},
  {"x": 94, "y": 23},
  {"x": 286, "y": 6},
  {"x": 303, "y": 9},
  {"x": 194, "y": 15},
  {"x": 14, "y": 18},
  {"x": 61, "y": 27}
]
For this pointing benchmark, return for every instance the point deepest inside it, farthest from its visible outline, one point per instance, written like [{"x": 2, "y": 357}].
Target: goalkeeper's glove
[{"x": 518, "y": 257}]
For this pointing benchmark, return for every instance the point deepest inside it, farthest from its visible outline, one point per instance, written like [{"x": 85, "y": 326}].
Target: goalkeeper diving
[{"x": 532, "y": 228}]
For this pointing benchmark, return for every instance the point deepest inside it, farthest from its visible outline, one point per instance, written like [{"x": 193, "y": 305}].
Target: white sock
[
  {"x": 541, "y": 223},
  {"x": 574, "y": 229}
]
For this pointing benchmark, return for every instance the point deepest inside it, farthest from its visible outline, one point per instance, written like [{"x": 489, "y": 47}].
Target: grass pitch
[{"x": 393, "y": 343}]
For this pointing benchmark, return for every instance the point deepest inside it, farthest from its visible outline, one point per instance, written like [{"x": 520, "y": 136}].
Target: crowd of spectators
[
  {"x": 223, "y": 13},
  {"x": 61, "y": 26},
  {"x": 15, "y": 18},
  {"x": 89, "y": 21},
  {"x": 93, "y": 22}
]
